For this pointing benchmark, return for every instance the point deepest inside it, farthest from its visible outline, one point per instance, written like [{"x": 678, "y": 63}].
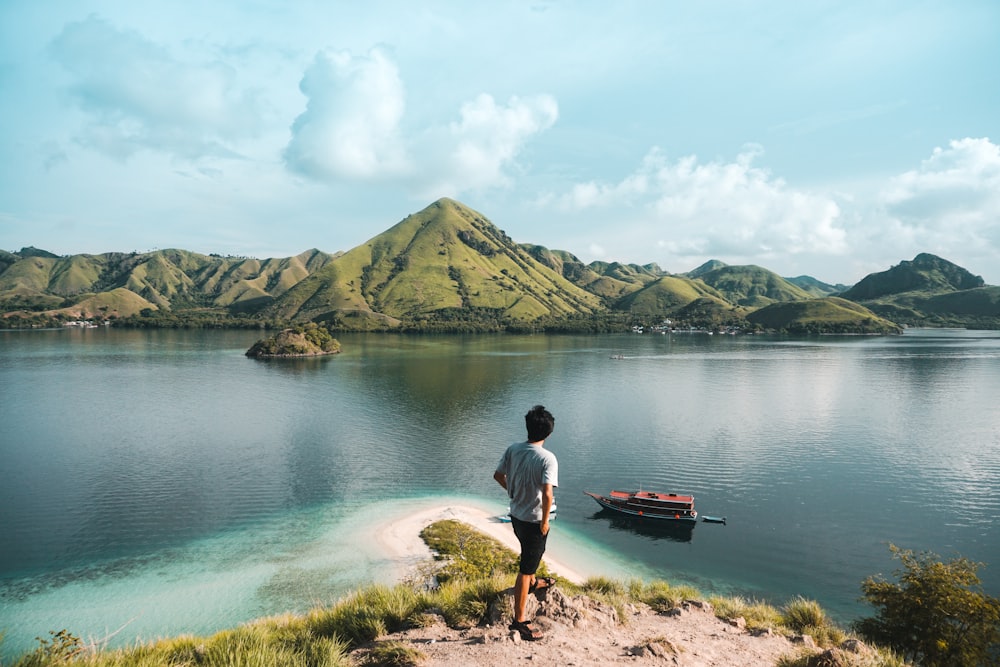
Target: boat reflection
[{"x": 655, "y": 529}]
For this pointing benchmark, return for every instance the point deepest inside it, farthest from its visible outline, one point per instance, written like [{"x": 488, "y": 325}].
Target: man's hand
[{"x": 545, "y": 527}]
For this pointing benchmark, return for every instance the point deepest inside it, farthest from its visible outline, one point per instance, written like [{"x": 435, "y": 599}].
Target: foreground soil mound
[{"x": 580, "y": 631}]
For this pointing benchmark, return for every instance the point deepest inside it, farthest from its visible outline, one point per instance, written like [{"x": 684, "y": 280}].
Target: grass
[
  {"x": 325, "y": 637},
  {"x": 877, "y": 657},
  {"x": 394, "y": 654}
]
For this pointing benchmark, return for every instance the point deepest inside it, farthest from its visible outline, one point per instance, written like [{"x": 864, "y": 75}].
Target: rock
[
  {"x": 699, "y": 604},
  {"x": 654, "y": 648},
  {"x": 805, "y": 640},
  {"x": 856, "y": 646},
  {"x": 739, "y": 622}
]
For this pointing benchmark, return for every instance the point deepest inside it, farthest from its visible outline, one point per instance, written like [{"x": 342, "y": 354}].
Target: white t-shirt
[{"x": 528, "y": 467}]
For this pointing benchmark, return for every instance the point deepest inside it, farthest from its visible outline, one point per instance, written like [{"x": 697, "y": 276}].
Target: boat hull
[{"x": 634, "y": 505}]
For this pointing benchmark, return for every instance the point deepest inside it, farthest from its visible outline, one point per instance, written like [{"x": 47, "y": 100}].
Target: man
[{"x": 529, "y": 473}]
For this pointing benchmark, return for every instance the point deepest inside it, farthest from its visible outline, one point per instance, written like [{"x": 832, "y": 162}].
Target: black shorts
[{"x": 532, "y": 544}]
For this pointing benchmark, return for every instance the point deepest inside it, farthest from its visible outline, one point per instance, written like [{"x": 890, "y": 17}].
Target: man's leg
[
  {"x": 532, "y": 548},
  {"x": 521, "y": 587}
]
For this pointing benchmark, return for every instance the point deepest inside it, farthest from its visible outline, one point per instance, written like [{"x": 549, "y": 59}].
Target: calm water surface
[{"x": 161, "y": 482}]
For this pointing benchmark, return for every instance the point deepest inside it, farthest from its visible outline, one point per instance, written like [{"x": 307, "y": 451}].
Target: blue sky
[{"x": 832, "y": 139}]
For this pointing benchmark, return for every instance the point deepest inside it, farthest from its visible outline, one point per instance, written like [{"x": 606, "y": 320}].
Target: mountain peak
[
  {"x": 707, "y": 267},
  {"x": 444, "y": 258},
  {"x": 925, "y": 273}
]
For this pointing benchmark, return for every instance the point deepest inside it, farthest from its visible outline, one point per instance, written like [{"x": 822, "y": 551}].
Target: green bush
[{"x": 936, "y": 614}]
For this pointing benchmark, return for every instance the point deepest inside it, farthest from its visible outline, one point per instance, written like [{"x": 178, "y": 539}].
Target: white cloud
[
  {"x": 353, "y": 130},
  {"x": 136, "y": 95},
  {"x": 350, "y": 128},
  {"x": 952, "y": 199},
  {"x": 478, "y": 151},
  {"x": 691, "y": 209},
  {"x": 596, "y": 250}
]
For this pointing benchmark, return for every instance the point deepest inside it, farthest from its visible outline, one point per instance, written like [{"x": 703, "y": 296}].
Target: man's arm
[
  {"x": 501, "y": 479},
  {"x": 548, "y": 497}
]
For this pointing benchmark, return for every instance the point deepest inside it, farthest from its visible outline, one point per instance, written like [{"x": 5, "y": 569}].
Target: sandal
[
  {"x": 527, "y": 633},
  {"x": 541, "y": 586}
]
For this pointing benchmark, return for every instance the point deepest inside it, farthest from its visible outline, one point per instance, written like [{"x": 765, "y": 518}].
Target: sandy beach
[{"x": 398, "y": 537}]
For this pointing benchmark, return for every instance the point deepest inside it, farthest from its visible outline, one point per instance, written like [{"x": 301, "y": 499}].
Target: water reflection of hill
[{"x": 655, "y": 529}]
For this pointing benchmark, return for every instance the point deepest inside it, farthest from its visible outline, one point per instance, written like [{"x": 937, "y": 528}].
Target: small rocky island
[{"x": 309, "y": 340}]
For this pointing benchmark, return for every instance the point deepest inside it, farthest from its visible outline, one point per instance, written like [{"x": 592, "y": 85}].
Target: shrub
[
  {"x": 661, "y": 596},
  {"x": 367, "y": 614},
  {"x": 936, "y": 614},
  {"x": 758, "y": 615},
  {"x": 806, "y": 617},
  {"x": 394, "y": 654},
  {"x": 464, "y": 603}
]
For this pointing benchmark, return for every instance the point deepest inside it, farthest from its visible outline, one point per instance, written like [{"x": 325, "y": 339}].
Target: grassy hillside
[
  {"x": 929, "y": 291},
  {"x": 37, "y": 285},
  {"x": 609, "y": 281},
  {"x": 444, "y": 259},
  {"x": 825, "y": 315},
  {"x": 816, "y": 288},
  {"x": 707, "y": 267},
  {"x": 449, "y": 268},
  {"x": 751, "y": 286},
  {"x": 667, "y": 295},
  {"x": 927, "y": 274}
]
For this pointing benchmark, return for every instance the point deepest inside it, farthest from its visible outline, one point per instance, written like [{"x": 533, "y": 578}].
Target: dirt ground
[{"x": 579, "y": 631}]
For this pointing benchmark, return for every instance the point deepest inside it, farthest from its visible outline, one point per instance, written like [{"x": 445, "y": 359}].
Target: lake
[{"x": 159, "y": 482}]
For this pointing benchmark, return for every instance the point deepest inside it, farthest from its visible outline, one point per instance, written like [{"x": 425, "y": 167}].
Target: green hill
[
  {"x": 929, "y": 291},
  {"x": 432, "y": 265},
  {"x": 609, "y": 281},
  {"x": 926, "y": 273},
  {"x": 707, "y": 267},
  {"x": 825, "y": 315},
  {"x": 666, "y": 295},
  {"x": 751, "y": 286},
  {"x": 449, "y": 268},
  {"x": 41, "y": 285},
  {"x": 816, "y": 288}
]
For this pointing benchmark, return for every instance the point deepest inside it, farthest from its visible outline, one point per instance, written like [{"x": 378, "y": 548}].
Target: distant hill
[
  {"x": 609, "y": 281},
  {"x": 808, "y": 284},
  {"x": 824, "y": 315},
  {"x": 929, "y": 291},
  {"x": 667, "y": 295},
  {"x": 434, "y": 265},
  {"x": 816, "y": 287},
  {"x": 449, "y": 268},
  {"x": 927, "y": 273},
  {"x": 751, "y": 286},
  {"x": 707, "y": 267},
  {"x": 122, "y": 285}
]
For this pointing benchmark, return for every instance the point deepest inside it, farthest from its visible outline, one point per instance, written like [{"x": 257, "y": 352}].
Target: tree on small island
[{"x": 304, "y": 340}]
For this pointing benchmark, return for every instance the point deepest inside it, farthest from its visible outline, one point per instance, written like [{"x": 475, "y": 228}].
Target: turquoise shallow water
[{"x": 160, "y": 482}]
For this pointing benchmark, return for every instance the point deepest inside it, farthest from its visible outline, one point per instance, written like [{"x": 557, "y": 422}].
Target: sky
[{"x": 830, "y": 139}]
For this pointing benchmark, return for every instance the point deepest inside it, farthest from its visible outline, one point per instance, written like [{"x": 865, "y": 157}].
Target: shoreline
[{"x": 399, "y": 542}]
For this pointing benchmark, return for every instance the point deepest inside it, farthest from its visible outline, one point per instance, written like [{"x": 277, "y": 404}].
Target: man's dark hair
[{"x": 540, "y": 423}]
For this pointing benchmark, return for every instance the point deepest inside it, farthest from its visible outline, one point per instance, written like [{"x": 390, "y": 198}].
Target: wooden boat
[{"x": 650, "y": 504}]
